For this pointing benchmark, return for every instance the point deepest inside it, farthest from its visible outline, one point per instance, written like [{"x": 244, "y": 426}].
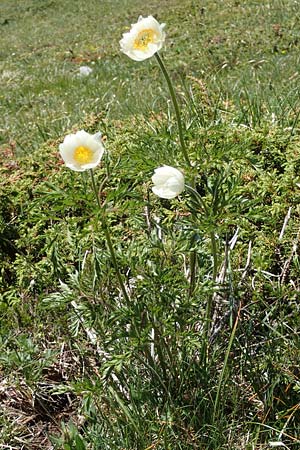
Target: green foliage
[{"x": 206, "y": 352}]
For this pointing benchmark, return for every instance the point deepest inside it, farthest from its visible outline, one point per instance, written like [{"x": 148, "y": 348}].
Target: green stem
[
  {"x": 109, "y": 241},
  {"x": 214, "y": 250},
  {"x": 193, "y": 254},
  {"x": 199, "y": 198},
  {"x": 193, "y": 267},
  {"x": 217, "y": 400},
  {"x": 176, "y": 108},
  {"x": 209, "y": 306}
]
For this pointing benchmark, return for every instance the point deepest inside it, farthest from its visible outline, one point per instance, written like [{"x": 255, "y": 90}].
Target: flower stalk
[
  {"x": 109, "y": 241},
  {"x": 215, "y": 262},
  {"x": 222, "y": 376},
  {"x": 193, "y": 253},
  {"x": 209, "y": 307},
  {"x": 193, "y": 256},
  {"x": 176, "y": 108}
]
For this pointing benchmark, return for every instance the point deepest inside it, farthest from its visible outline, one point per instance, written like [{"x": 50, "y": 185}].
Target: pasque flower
[
  {"x": 144, "y": 39},
  {"x": 81, "y": 151},
  {"x": 168, "y": 182}
]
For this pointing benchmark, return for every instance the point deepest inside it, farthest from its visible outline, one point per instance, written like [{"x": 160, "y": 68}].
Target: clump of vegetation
[{"x": 133, "y": 320}]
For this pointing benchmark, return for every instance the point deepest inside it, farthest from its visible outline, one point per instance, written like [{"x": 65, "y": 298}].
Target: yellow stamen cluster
[
  {"x": 83, "y": 155},
  {"x": 144, "y": 38}
]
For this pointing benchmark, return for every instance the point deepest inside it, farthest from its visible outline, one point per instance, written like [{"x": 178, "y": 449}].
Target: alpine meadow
[{"x": 149, "y": 225}]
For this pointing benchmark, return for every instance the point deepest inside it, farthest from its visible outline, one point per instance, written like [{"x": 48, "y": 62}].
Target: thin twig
[
  {"x": 286, "y": 219},
  {"x": 245, "y": 270}
]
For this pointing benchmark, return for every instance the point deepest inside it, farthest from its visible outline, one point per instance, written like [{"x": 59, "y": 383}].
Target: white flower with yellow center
[
  {"x": 168, "y": 182},
  {"x": 145, "y": 38},
  {"x": 81, "y": 151}
]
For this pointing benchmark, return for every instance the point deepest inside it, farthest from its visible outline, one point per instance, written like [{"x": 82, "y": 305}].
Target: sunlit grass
[{"x": 80, "y": 367}]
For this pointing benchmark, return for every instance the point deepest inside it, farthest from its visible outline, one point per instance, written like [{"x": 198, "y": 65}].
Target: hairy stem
[
  {"x": 222, "y": 376},
  {"x": 176, "y": 108},
  {"x": 109, "y": 241}
]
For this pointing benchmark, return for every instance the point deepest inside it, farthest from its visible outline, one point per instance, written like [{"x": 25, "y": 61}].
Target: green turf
[{"x": 79, "y": 367}]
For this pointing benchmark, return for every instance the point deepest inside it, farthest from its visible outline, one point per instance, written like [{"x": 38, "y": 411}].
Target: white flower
[
  {"x": 144, "y": 39},
  {"x": 81, "y": 151},
  {"x": 168, "y": 182},
  {"x": 84, "y": 71}
]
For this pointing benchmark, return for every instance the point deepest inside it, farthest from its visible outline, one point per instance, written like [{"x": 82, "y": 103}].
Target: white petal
[
  {"x": 98, "y": 136},
  {"x": 75, "y": 167},
  {"x": 128, "y": 39},
  {"x": 168, "y": 182},
  {"x": 81, "y": 138},
  {"x": 164, "y": 192}
]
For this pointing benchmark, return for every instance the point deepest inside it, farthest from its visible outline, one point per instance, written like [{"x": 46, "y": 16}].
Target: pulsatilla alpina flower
[
  {"x": 81, "y": 151},
  {"x": 144, "y": 39},
  {"x": 168, "y": 182}
]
